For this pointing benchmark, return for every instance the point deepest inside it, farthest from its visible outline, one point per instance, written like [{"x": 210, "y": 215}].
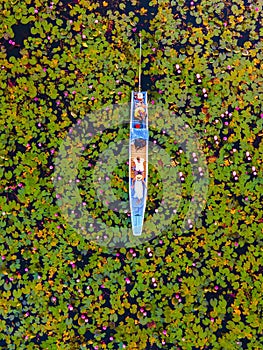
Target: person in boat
[
  {"x": 139, "y": 165},
  {"x": 140, "y": 107},
  {"x": 140, "y": 112},
  {"x": 137, "y": 185}
]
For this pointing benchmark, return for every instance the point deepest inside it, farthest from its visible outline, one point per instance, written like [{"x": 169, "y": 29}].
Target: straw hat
[
  {"x": 139, "y": 177},
  {"x": 139, "y": 110}
]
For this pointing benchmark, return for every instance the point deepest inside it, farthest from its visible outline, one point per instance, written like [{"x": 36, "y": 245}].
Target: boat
[{"x": 138, "y": 156}]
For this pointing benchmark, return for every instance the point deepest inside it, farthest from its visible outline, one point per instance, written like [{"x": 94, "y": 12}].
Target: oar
[{"x": 140, "y": 63}]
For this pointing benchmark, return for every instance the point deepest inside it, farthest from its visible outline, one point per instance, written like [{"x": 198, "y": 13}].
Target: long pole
[{"x": 140, "y": 64}]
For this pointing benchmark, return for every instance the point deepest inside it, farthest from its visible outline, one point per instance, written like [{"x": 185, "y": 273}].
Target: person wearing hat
[
  {"x": 137, "y": 185},
  {"x": 140, "y": 111}
]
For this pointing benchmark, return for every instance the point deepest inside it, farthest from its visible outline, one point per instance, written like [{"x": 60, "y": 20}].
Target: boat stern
[{"x": 137, "y": 230}]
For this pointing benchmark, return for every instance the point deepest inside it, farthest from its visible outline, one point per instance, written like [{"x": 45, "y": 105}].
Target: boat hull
[{"x": 138, "y": 160}]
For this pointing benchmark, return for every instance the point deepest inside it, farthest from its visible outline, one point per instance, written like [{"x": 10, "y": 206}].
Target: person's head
[
  {"x": 139, "y": 177},
  {"x": 138, "y": 158}
]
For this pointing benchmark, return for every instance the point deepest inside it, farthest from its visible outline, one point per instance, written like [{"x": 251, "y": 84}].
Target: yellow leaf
[
  {"x": 76, "y": 26},
  {"x": 143, "y": 11},
  {"x": 168, "y": 259},
  {"x": 38, "y": 286},
  {"x": 247, "y": 44},
  {"x": 237, "y": 311},
  {"x": 54, "y": 243}
]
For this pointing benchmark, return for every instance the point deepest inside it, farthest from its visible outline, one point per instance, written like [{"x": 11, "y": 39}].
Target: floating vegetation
[{"x": 61, "y": 60}]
